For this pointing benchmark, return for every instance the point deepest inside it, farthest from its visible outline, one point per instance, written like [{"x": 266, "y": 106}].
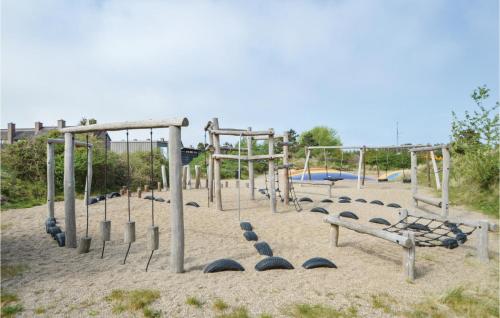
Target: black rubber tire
[
  {"x": 61, "y": 239},
  {"x": 250, "y": 236},
  {"x": 263, "y": 249},
  {"x": 262, "y": 191},
  {"x": 348, "y": 214},
  {"x": 461, "y": 238},
  {"x": 273, "y": 262},
  {"x": 394, "y": 205},
  {"x": 54, "y": 230},
  {"x": 344, "y": 201},
  {"x": 246, "y": 226},
  {"x": 102, "y": 197},
  {"x": 192, "y": 203},
  {"x": 326, "y": 201},
  {"x": 222, "y": 265},
  {"x": 450, "y": 243},
  {"x": 380, "y": 221},
  {"x": 319, "y": 210},
  {"x": 316, "y": 262},
  {"x": 305, "y": 199},
  {"x": 361, "y": 200},
  {"x": 344, "y": 198},
  {"x": 377, "y": 202},
  {"x": 159, "y": 199},
  {"x": 49, "y": 223},
  {"x": 93, "y": 201},
  {"x": 148, "y": 197},
  {"x": 114, "y": 195},
  {"x": 419, "y": 227}
]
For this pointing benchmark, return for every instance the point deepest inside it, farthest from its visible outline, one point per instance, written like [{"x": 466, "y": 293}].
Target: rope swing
[
  {"x": 153, "y": 231},
  {"x": 86, "y": 240},
  {"x": 129, "y": 236},
  {"x": 105, "y": 225}
]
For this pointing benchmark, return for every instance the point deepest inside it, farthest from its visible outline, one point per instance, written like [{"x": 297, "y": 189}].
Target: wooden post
[
  {"x": 210, "y": 171},
  {"x": 306, "y": 165},
  {"x": 69, "y": 190},
  {"x": 146, "y": 188},
  {"x": 446, "y": 179},
  {"x": 164, "y": 177},
  {"x": 188, "y": 177},
  {"x": 227, "y": 184},
  {"x": 335, "y": 235},
  {"x": 51, "y": 187},
  {"x": 251, "y": 176},
  {"x": 435, "y": 169},
  {"x": 218, "y": 192},
  {"x": 414, "y": 169},
  {"x": 272, "y": 184},
  {"x": 159, "y": 186},
  {"x": 482, "y": 241},
  {"x": 428, "y": 166},
  {"x": 364, "y": 166},
  {"x": 197, "y": 177},
  {"x": 409, "y": 257},
  {"x": 176, "y": 202},
  {"x": 360, "y": 163},
  {"x": 184, "y": 177},
  {"x": 139, "y": 192},
  {"x": 286, "y": 184}
]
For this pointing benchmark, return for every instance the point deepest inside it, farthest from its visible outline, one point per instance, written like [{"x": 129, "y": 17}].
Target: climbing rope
[
  {"x": 128, "y": 194},
  {"x": 152, "y": 190},
  {"x": 87, "y": 188},
  {"x": 105, "y": 188}
]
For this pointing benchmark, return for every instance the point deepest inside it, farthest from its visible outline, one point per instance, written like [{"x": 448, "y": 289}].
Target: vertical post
[
  {"x": 218, "y": 192},
  {"x": 446, "y": 178},
  {"x": 184, "y": 177},
  {"x": 251, "y": 176},
  {"x": 436, "y": 171},
  {"x": 364, "y": 166},
  {"x": 428, "y": 166},
  {"x": 272, "y": 184},
  {"x": 188, "y": 177},
  {"x": 335, "y": 235},
  {"x": 286, "y": 184},
  {"x": 482, "y": 241},
  {"x": 409, "y": 257},
  {"x": 197, "y": 183},
  {"x": 360, "y": 163},
  {"x": 51, "y": 188},
  {"x": 176, "y": 207},
  {"x": 414, "y": 168},
  {"x": 210, "y": 171},
  {"x": 306, "y": 165},
  {"x": 69, "y": 190},
  {"x": 89, "y": 177},
  {"x": 164, "y": 177}
]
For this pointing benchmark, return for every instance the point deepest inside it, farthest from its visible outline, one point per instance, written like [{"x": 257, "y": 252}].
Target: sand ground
[{"x": 72, "y": 285}]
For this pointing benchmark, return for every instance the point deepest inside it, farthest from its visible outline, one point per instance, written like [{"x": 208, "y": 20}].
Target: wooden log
[
  {"x": 409, "y": 256},
  {"x": 334, "y": 235},
  {"x": 482, "y": 241},
  {"x": 251, "y": 175},
  {"x": 210, "y": 172},
  {"x": 69, "y": 191},
  {"x": 446, "y": 182},
  {"x": 389, "y": 236},
  {"x": 306, "y": 165},
  {"x": 360, "y": 163},
  {"x": 197, "y": 177},
  {"x": 285, "y": 182},
  {"x": 428, "y": 148},
  {"x": 51, "y": 186},
  {"x": 164, "y": 177},
  {"x": 188, "y": 177},
  {"x": 163, "y": 123},
  {"x": 248, "y": 158},
  {"x": 176, "y": 201},
  {"x": 217, "y": 162},
  {"x": 245, "y": 133},
  {"x": 431, "y": 201},
  {"x": 272, "y": 184},
  {"x": 414, "y": 170},
  {"x": 184, "y": 177},
  {"x": 435, "y": 169},
  {"x": 264, "y": 137}
]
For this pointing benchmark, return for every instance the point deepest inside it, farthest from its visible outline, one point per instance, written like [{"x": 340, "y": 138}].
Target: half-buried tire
[
  {"x": 222, "y": 265},
  {"x": 316, "y": 262},
  {"x": 377, "y": 202},
  {"x": 192, "y": 203},
  {"x": 348, "y": 214},
  {"x": 380, "y": 221},
  {"x": 273, "y": 262},
  {"x": 394, "y": 205},
  {"x": 361, "y": 200},
  {"x": 250, "y": 236},
  {"x": 344, "y": 201},
  {"x": 158, "y": 199},
  {"x": 49, "y": 223},
  {"x": 305, "y": 199},
  {"x": 326, "y": 201},
  {"x": 54, "y": 230},
  {"x": 114, "y": 195},
  {"x": 319, "y": 210},
  {"x": 345, "y": 198},
  {"x": 450, "y": 243},
  {"x": 246, "y": 226},
  {"x": 263, "y": 249},
  {"x": 61, "y": 239}
]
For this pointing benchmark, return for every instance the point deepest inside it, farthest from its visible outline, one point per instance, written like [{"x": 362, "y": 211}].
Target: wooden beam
[
  {"x": 482, "y": 241},
  {"x": 143, "y": 124},
  {"x": 272, "y": 184},
  {"x": 431, "y": 201},
  {"x": 360, "y": 163},
  {"x": 409, "y": 255},
  {"x": 286, "y": 183},
  {"x": 248, "y": 158},
  {"x": 241, "y": 132},
  {"x": 69, "y": 191},
  {"x": 217, "y": 164},
  {"x": 414, "y": 170},
  {"x": 428, "y": 148},
  {"x": 435, "y": 169},
  {"x": 61, "y": 141}
]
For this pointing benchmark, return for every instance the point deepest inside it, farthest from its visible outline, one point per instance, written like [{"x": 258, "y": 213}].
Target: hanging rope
[
  {"x": 105, "y": 188},
  {"x": 87, "y": 188},
  {"x": 206, "y": 169},
  {"x": 239, "y": 178},
  {"x": 326, "y": 164},
  {"x": 128, "y": 194},
  {"x": 152, "y": 191},
  {"x": 341, "y": 161}
]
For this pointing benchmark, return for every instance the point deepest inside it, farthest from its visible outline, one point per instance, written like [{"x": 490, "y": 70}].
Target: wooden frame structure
[
  {"x": 407, "y": 240},
  {"x": 175, "y": 172},
  {"x": 215, "y": 157},
  {"x": 444, "y": 185}
]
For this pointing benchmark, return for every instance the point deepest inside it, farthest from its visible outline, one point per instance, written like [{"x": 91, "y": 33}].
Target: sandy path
[{"x": 73, "y": 285}]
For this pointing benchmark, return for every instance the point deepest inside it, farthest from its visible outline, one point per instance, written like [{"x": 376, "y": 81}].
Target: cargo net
[{"x": 432, "y": 232}]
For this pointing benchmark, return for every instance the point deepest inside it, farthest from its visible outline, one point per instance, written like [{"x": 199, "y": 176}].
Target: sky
[{"x": 357, "y": 66}]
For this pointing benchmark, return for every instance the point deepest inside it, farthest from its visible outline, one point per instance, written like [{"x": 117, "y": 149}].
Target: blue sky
[{"x": 357, "y": 66}]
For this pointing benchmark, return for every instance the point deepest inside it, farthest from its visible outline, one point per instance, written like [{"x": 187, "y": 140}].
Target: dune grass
[
  {"x": 239, "y": 312},
  {"x": 220, "y": 305},
  {"x": 10, "y": 271},
  {"x": 133, "y": 300},
  {"x": 319, "y": 311},
  {"x": 10, "y": 304},
  {"x": 193, "y": 301}
]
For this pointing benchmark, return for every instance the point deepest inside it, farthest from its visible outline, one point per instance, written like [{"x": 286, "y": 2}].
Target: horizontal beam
[
  {"x": 229, "y": 132},
  {"x": 143, "y": 124},
  {"x": 316, "y": 182},
  {"x": 428, "y": 148},
  {"x": 334, "y": 147},
  {"x": 431, "y": 201},
  {"x": 267, "y": 137},
  {"x": 247, "y": 158},
  {"x": 492, "y": 227},
  {"x": 61, "y": 141},
  {"x": 389, "y": 236},
  {"x": 363, "y": 147}
]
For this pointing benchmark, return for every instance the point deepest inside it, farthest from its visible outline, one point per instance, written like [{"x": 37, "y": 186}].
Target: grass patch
[
  {"x": 7, "y": 298},
  {"x": 40, "y": 310},
  {"x": 93, "y": 313},
  {"x": 458, "y": 302},
  {"x": 382, "y": 302},
  {"x": 9, "y": 271},
  {"x": 151, "y": 313},
  {"x": 5, "y": 226},
  {"x": 220, "y": 305},
  {"x": 265, "y": 316},
  {"x": 240, "y": 312},
  {"x": 319, "y": 311},
  {"x": 11, "y": 310},
  {"x": 195, "y": 302},
  {"x": 132, "y": 300}
]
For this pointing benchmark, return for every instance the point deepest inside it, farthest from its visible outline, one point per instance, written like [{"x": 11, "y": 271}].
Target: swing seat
[
  {"x": 334, "y": 179},
  {"x": 382, "y": 180}
]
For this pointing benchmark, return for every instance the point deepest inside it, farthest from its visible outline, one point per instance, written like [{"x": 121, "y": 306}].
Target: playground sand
[{"x": 66, "y": 284}]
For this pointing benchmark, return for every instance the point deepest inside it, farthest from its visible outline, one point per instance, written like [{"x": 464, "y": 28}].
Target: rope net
[{"x": 431, "y": 232}]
